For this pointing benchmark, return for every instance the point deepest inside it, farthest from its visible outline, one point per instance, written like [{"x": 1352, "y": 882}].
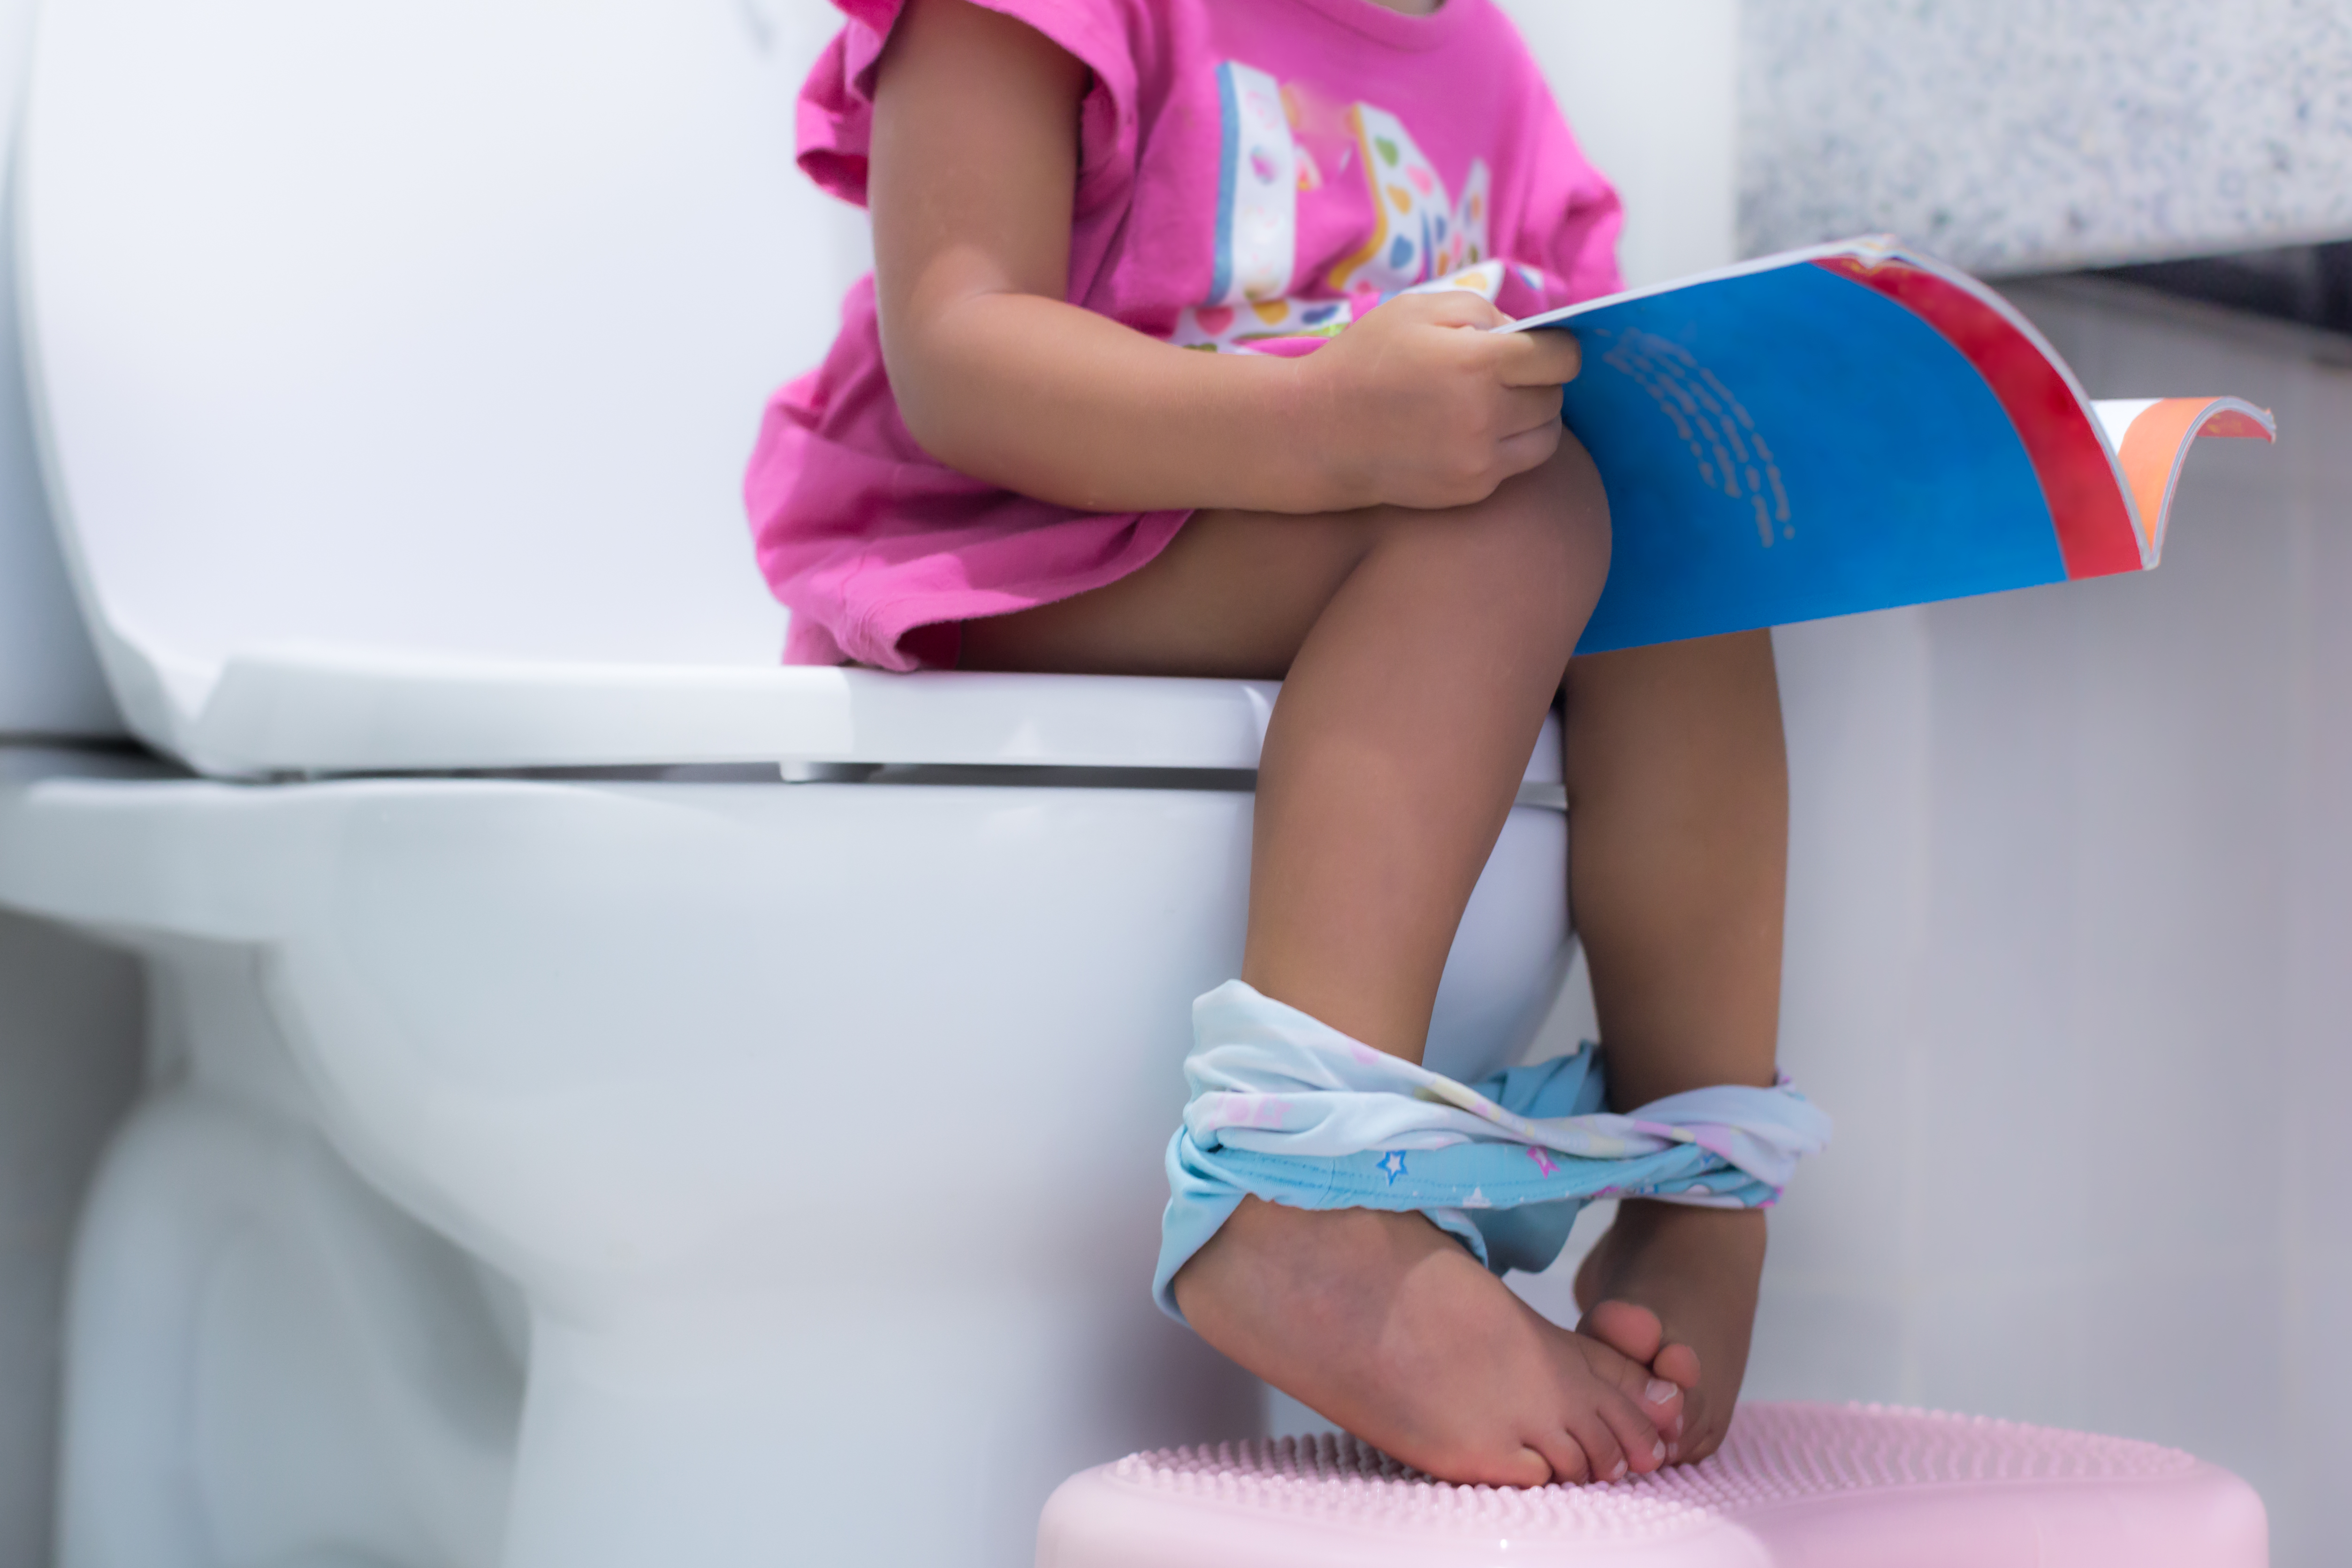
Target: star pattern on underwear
[{"x": 1392, "y": 1166}]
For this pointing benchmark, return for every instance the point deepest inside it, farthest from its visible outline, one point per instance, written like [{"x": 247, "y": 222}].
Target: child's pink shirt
[{"x": 1249, "y": 170}]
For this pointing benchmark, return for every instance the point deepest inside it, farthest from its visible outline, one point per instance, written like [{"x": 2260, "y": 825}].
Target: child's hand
[{"x": 1414, "y": 406}]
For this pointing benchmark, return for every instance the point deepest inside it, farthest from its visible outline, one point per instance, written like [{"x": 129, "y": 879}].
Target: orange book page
[{"x": 2154, "y": 444}]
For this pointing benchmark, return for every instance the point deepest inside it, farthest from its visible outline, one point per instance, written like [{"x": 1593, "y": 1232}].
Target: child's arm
[{"x": 974, "y": 164}]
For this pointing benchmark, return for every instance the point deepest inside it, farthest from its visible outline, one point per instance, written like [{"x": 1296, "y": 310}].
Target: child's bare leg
[
  {"x": 1420, "y": 649},
  {"x": 1678, "y": 798}
]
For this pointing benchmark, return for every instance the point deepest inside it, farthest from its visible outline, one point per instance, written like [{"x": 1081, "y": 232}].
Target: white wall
[{"x": 1652, "y": 94}]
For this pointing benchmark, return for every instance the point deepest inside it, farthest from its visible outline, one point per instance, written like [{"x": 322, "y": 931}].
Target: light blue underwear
[{"x": 1292, "y": 1112}]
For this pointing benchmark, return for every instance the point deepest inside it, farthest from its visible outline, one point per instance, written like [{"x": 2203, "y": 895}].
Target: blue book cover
[{"x": 1852, "y": 428}]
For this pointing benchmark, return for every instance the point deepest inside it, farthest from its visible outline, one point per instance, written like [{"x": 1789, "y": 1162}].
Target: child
[{"x": 1015, "y": 459}]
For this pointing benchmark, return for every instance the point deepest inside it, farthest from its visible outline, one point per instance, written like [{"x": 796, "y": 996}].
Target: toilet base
[
  {"x": 267, "y": 1362},
  {"x": 829, "y": 1176},
  {"x": 748, "y": 1436}
]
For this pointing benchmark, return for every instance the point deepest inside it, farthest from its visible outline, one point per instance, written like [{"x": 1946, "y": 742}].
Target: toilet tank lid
[{"x": 335, "y": 710}]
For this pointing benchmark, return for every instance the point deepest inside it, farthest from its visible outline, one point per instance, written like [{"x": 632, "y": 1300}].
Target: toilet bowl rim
[{"x": 120, "y": 842}]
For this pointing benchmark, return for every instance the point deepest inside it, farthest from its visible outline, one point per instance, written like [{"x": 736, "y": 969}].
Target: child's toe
[
  {"x": 1594, "y": 1427},
  {"x": 1657, "y": 1402},
  {"x": 1626, "y": 1327},
  {"x": 1677, "y": 1364},
  {"x": 1564, "y": 1456}
]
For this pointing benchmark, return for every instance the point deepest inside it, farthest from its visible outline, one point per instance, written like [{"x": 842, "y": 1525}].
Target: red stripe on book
[{"x": 2095, "y": 528}]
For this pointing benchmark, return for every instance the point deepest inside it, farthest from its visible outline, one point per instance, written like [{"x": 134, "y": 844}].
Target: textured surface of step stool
[{"x": 1794, "y": 1486}]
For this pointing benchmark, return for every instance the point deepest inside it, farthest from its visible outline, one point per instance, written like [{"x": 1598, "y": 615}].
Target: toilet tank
[{"x": 49, "y": 682}]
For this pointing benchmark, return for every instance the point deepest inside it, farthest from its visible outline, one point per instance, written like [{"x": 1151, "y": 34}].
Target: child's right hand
[{"x": 1415, "y": 405}]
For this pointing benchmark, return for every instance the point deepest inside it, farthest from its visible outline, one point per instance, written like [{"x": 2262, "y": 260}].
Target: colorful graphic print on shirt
[{"x": 1419, "y": 233}]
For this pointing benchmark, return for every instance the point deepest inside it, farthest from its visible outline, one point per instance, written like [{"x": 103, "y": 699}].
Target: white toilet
[{"x": 572, "y": 1141}]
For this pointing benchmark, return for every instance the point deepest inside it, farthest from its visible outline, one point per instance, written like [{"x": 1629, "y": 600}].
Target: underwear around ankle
[{"x": 1288, "y": 1110}]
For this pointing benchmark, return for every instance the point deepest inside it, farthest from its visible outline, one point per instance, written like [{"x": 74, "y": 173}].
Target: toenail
[
  {"x": 1674, "y": 1451},
  {"x": 1619, "y": 1473},
  {"x": 1660, "y": 1391},
  {"x": 1658, "y": 1449}
]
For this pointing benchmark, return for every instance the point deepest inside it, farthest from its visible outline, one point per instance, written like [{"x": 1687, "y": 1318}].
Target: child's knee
[
  {"x": 1528, "y": 560},
  {"x": 1553, "y": 524},
  {"x": 1578, "y": 503}
]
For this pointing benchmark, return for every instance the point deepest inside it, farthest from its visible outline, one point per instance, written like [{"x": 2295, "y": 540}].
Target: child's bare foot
[
  {"x": 1674, "y": 1287},
  {"x": 1386, "y": 1325}
]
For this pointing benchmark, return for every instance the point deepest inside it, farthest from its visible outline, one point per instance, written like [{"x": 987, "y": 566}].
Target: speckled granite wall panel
[{"x": 2032, "y": 135}]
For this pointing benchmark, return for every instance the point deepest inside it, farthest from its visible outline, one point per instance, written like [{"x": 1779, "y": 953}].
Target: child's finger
[
  {"x": 1451, "y": 308},
  {"x": 1529, "y": 408},
  {"x": 1547, "y": 356},
  {"x": 1528, "y": 449}
]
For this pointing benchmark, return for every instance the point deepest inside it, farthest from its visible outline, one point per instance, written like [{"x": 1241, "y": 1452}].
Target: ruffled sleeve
[{"x": 836, "y": 105}]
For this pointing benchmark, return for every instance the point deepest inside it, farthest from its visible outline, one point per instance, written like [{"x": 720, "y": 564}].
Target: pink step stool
[{"x": 1794, "y": 1486}]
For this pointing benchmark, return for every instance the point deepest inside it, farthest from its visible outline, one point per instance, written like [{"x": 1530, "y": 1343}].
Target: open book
[{"x": 1852, "y": 428}]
